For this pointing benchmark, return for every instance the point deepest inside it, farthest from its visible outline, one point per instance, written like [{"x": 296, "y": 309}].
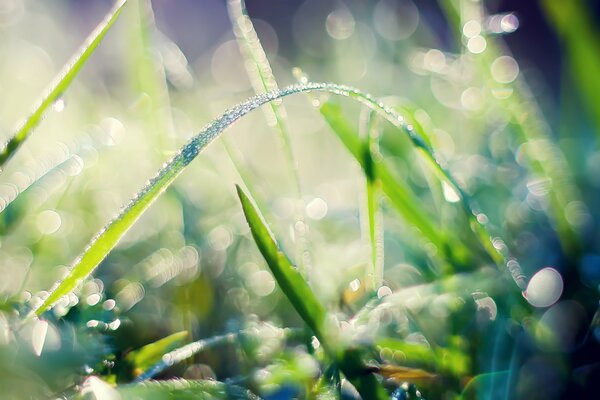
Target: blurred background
[{"x": 504, "y": 91}]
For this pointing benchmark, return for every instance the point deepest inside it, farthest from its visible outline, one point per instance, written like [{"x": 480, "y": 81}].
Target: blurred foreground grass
[{"x": 444, "y": 230}]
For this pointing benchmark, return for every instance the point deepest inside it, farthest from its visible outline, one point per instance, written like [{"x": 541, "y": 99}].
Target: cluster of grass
[{"x": 356, "y": 247}]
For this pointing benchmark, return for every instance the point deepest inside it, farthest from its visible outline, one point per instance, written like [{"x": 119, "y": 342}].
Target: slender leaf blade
[
  {"x": 60, "y": 83},
  {"x": 289, "y": 279}
]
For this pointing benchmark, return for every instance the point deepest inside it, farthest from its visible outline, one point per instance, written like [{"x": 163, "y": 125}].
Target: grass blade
[
  {"x": 110, "y": 235},
  {"x": 261, "y": 76},
  {"x": 287, "y": 276},
  {"x": 148, "y": 355},
  {"x": 580, "y": 36},
  {"x": 398, "y": 193},
  {"x": 306, "y": 304},
  {"x": 178, "y": 355},
  {"x": 60, "y": 83}
]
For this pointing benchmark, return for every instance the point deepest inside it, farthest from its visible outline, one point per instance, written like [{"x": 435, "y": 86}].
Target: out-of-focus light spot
[
  {"x": 504, "y": 69},
  {"x": 498, "y": 244},
  {"x": 509, "y": 23},
  {"x": 544, "y": 288},
  {"x": 261, "y": 283},
  {"x": 434, "y": 60},
  {"x": 472, "y": 28},
  {"x": 73, "y": 166},
  {"x": 502, "y": 93},
  {"x": 395, "y": 20},
  {"x": 449, "y": 193},
  {"x": 482, "y": 218},
  {"x": 220, "y": 238},
  {"x": 386, "y": 354},
  {"x": 487, "y": 305},
  {"x": 472, "y": 99},
  {"x": 383, "y": 291},
  {"x": 577, "y": 213},
  {"x": 112, "y": 130},
  {"x": 560, "y": 325},
  {"x": 59, "y": 105},
  {"x": 539, "y": 187},
  {"x": 340, "y": 24},
  {"x": 227, "y": 67},
  {"x": 130, "y": 295},
  {"x": 115, "y": 324},
  {"x": 503, "y": 23},
  {"x": 48, "y": 222},
  {"x": 38, "y": 336},
  {"x": 93, "y": 299},
  {"x": 355, "y": 285},
  {"x": 477, "y": 44},
  {"x": 109, "y": 305},
  {"x": 316, "y": 209}
]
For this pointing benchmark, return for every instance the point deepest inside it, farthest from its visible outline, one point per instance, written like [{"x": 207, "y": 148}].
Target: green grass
[{"x": 387, "y": 250}]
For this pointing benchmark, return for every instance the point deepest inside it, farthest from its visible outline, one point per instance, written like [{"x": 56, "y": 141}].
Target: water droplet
[
  {"x": 509, "y": 23},
  {"x": 383, "y": 291},
  {"x": 449, "y": 193},
  {"x": 261, "y": 283},
  {"x": 504, "y": 69},
  {"x": 477, "y": 44},
  {"x": 316, "y": 209},
  {"x": 395, "y": 19},
  {"x": 471, "y": 28},
  {"x": 48, "y": 222},
  {"x": 315, "y": 342},
  {"x": 59, "y": 105},
  {"x": 354, "y": 285},
  {"x": 434, "y": 60},
  {"x": 340, "y": 24},
  {"x": 38, "y": 336},
  {"x": 544, "y": 288}
]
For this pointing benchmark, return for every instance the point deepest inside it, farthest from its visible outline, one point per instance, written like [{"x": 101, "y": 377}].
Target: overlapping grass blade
[
  {"x": 374, "y": 223},
  {"x": 306, "y": 304},
  {"x": 182, "y": 353},
  {"x": 398, "y": 192},
  {"x": 261, "y": 76},
  {"x": 148, "y": 355},
  {"x": 543, "y": 157},
  {"x": 108, "y": 237},
  {"x": 60, "y": 83}
]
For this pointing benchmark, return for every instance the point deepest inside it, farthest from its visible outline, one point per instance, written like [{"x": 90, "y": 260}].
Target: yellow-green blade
[{"x": 60, "y": 83}]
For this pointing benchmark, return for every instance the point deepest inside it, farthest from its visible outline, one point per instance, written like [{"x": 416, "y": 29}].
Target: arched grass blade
[
  {"x": 306, "y": 304},
  {"x": 60, "y": 83},
  {"x": 108, "y": 237}
]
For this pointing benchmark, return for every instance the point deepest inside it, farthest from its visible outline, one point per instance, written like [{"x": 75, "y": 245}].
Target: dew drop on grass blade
[{"x": 110, "y": 235}]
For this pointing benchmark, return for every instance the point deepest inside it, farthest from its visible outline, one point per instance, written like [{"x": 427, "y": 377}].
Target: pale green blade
[{"x": 61, "y": 83}]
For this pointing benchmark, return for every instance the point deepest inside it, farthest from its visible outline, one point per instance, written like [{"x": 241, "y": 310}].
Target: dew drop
[
  {"x": 59, "y": 105},
  {"x": 544, "y": 288}
]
